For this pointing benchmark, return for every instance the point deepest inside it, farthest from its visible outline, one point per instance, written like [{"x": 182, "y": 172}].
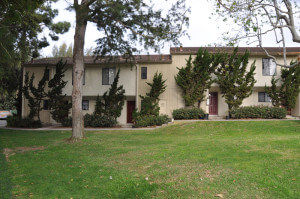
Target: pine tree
[
  {"x": 112, "y": 102},
  {"x": 149, "y": 104},
  {"x": 59, "y": 107},
  {"x": 35, "y": 95},
  {"x": 234, "y": 81},
  {"x": 195, "y": 78},
  {"x": 288, "y": 92}
]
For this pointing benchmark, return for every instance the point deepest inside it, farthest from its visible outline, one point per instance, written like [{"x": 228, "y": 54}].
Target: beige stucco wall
[
  {"x": 171, "y": 99},
  {"x": 130, "y": 78},
  {"x": 93, "y": 86},
  {"x": 93, "y": 80}
]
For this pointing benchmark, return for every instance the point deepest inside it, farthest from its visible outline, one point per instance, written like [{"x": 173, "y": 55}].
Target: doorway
[
  {"x": 213, "y": 103},
  {"x": 130, "y": 109}
]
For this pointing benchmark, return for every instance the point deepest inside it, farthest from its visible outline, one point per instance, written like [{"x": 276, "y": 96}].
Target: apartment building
[{"x": 99, "y": 74}]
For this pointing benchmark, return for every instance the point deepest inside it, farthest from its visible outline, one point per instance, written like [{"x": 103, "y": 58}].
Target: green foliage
[
  {"x": 7, "y": 103},
  {"x": 195, "y": 78},
  {"x": 234, "y": 81},
  {"x": 14, "y": 121},
  {"x": 103, "y": 121},
  {"x": 67, "y": 122},
  {"x": 33, "y": 94},
  {"x": 149, "y": 105},
  {"x": 135, "y": 22},
  {"x": 286, "y": 95},
  {"x": 263, "y": 112},
  {"x": 62, "y": 51},
  {"x": 59, "y": 107},
  {"x": 112, "y": 102},
  {"x": 150, "y": 120},
  {"x": 93, "y": 121},
  {"x": 188, "y": 113}
]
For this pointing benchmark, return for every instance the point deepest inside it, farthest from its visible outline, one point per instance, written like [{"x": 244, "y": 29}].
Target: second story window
[
  {"x": 47, "y": 74},
  {"x": 268, "y": 67},
  {"x": 264, "y": 97},
  {"x": 108, "y": 75},
  {"x": 143, "y": 72},
  {"x": 46, "y": 105}
]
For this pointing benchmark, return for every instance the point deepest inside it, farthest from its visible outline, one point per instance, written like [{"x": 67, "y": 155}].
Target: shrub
[
  {"x": 103, "y": 121},
  {"x": 67, "y": 122},
  {"x": 14, "y": 121},
  {"x": 264, "y": 112},
  {"x": 88, "y": 119},
  {"x": 188, "y": 113},
  {"x": 150, "y": 120}
]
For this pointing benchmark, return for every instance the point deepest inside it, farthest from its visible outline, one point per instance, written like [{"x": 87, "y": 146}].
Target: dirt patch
[{"x": 8, "y": 152}]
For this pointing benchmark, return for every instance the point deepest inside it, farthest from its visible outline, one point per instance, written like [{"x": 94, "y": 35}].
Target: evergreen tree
[
  {"x": 288, "y": 92},
  {"x": 35, "y": 95},
  {"x": 195, "y": 78},
  {"x": 234, "y": 81},
  {"x": 59, "y": 107},
  {"x": 149, "y": 104},
  {"x": 112, "y": 102}
]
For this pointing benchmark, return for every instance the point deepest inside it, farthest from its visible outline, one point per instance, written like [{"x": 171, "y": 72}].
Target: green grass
[{"x": 257, "y": 159}]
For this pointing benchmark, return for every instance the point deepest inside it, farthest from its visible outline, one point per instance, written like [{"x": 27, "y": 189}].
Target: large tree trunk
[{"x": 78, "y": 69}]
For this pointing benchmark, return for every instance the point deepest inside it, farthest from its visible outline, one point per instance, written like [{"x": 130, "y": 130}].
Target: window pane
[
  {"x": 144, "y": 73},
  {"x": 261, "y": 97},
  {"x": 268, "y": 98},
  {"x": 105, "y": 78},
  {"x": 268, "y": 67},
  {"x": 272, "y": 67},
  {"x": 112, "y": 72},
  {"x": 85, "y": 104},
  {"x": 265, "y": 66},
  {"x": 46, "y": 105},
  {"x": 47, "y": 74}
]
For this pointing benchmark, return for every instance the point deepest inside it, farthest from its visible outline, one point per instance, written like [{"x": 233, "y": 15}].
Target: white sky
[{"x": 203, "y": 31}]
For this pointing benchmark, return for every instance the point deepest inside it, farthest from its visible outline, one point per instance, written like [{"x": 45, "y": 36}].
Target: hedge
[
  {"x": 150, "y": 120},
  {"x": 93, "y": 121},
  {"x": 264, "y": 112},
  {"x": 14, "y": 121},
  {"x": 188, "y": 113}
]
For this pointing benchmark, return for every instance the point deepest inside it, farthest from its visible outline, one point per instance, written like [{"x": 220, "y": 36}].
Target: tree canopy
[
  {"x": 124, "y": 25},
  {"x": 256, "y": 18}
]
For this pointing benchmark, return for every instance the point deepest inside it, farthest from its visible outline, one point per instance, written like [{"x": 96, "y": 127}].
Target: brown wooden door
[
  {"x": 213, "y": 103},
  {"x": 130, "y": 109}
]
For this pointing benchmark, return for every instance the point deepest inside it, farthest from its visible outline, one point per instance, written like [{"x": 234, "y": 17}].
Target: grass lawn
[{"x": 257, "y": 159}]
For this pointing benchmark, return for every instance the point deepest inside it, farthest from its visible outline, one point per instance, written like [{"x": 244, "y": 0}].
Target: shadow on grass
[{"x": 5, "y": 180}]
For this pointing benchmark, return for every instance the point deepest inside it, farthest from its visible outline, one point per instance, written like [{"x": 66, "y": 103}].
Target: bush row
[
  {"x": 264, "y": 112},
  {"x": 188, "y": 113},
  {"x": 150, "y": 120},
  {"x": 14, "y": 121},
  {"x": 93, "y": 121}
]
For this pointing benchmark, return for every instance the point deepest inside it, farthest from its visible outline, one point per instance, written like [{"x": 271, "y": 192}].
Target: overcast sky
[{"x": 203, "y": 31}]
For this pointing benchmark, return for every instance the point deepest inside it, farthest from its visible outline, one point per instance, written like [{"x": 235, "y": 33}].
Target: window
[
  {"x": 47, "y": 74},
  {"x": 268, "y": 67},
  {"x": 83, "y": 79},
  {"x": 85, "y": 104},
  {"x": 46, "y": 105},
  {"x": 144, "y": 73},
  {"x": 108, "y": 75},
  {"x": 264, "y": 97}
]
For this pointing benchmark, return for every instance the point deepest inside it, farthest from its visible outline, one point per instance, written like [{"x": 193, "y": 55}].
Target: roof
[
  {"x": 166, "y": 59},
  {"x": 292, "y": 51},
  {"x": 90, "y": 60}
]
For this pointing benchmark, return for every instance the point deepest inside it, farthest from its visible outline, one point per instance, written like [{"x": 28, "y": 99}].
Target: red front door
[
  {"x": 130, "y": 109},
  {"x": 213, "y": 103}
]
